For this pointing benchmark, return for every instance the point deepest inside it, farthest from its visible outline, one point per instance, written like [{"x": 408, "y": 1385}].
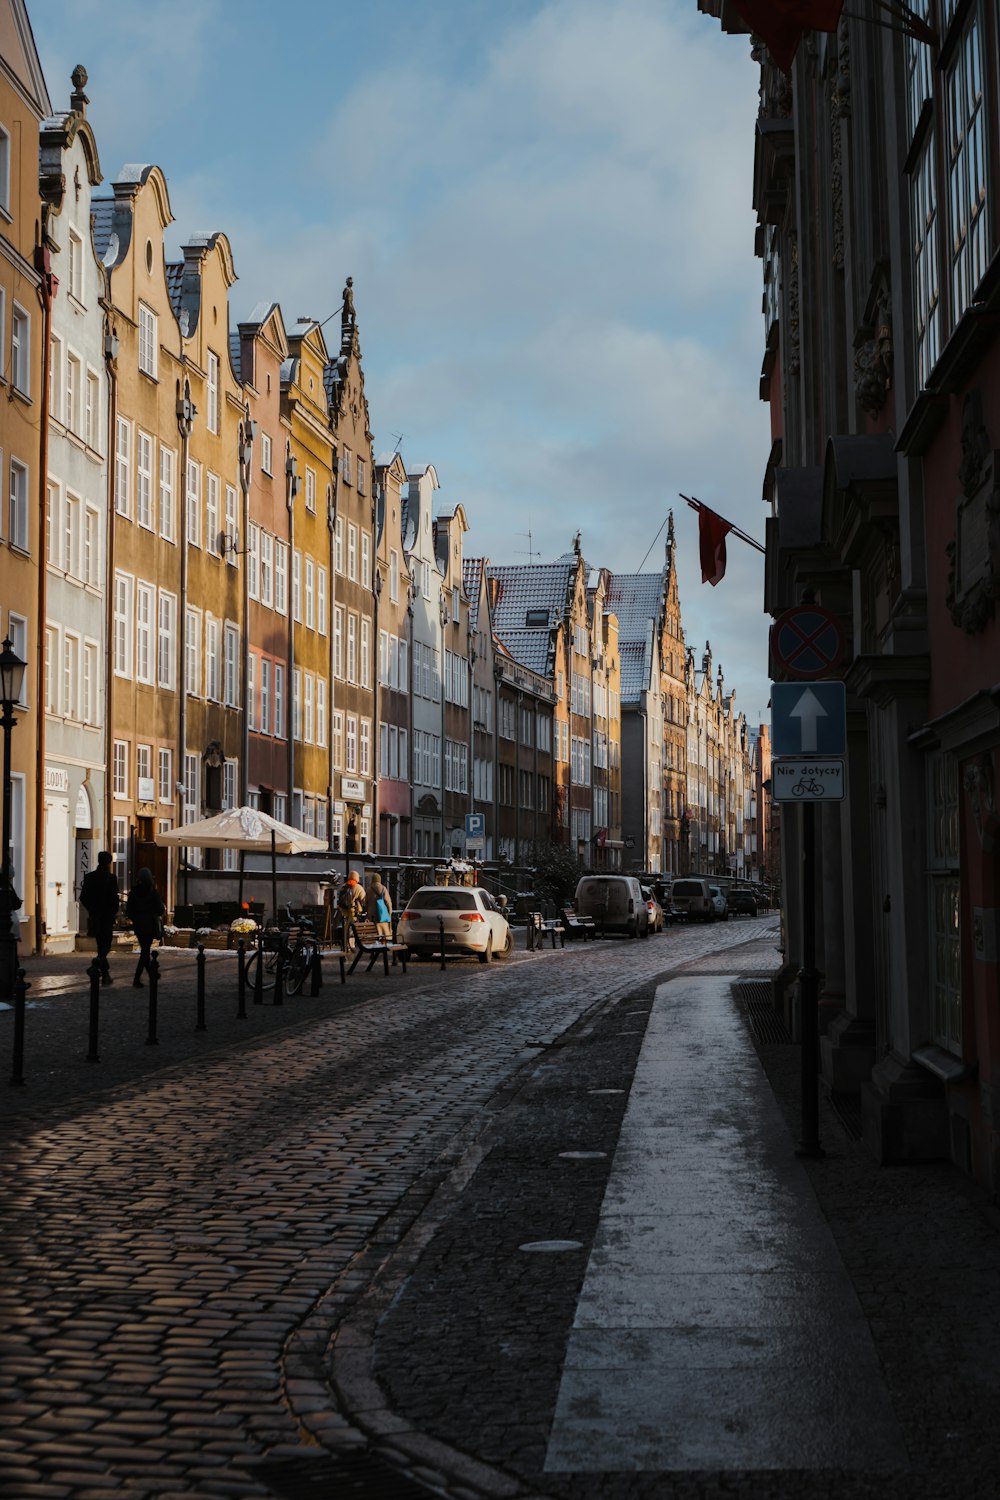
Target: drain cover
[
  {"x": 550, "y": 1247},
  {"x": 583, "y": 1155},
  {"x": 349, "y": 1476},
  {"x": 607, "y": 1091}
]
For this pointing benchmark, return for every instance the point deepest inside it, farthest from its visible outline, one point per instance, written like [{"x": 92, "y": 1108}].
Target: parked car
[
  {"x": 743, "y": 901},
  {"x": 719, "y": 902},
  {"x": 690, "y": 897},
  {"x": 473, "y": 922},
  {"x": 656, "y": 922},
  {"x": 615, "y": 902}
]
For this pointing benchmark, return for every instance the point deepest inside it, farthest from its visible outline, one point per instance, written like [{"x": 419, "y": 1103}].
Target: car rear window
[
  {"x": 688, "y": 888},
  {"x": 442, "y": 900}
]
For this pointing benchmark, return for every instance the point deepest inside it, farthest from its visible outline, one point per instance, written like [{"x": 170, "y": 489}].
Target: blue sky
[{"x": 546, "y": 211}]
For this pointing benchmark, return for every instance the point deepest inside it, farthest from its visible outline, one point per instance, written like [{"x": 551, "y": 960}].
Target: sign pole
[{"x": 809, "y": 1145}]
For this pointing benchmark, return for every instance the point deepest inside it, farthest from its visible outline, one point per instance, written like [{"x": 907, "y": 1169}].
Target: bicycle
[
  {"x": 812, "y": 786},
  {"x": 295, "y": 946}
]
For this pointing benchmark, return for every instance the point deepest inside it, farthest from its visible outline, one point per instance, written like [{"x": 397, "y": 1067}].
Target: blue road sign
[
  {"x": 808, "y": 718},
  {"x": 475, "y": 825}
]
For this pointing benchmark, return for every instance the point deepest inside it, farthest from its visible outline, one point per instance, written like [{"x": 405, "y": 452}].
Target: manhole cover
[{"x": 550, "y": 1247}]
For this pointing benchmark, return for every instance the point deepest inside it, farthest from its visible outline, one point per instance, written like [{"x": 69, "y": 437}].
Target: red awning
[{"x": 780, "y": 23}]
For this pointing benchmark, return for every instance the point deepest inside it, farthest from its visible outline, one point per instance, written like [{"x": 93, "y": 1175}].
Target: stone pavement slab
[{"x": 761, "y": 1359}]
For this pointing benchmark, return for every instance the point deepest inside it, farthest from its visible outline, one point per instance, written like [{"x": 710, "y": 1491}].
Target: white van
[
  {"x": 692, "y": 898},
  {"x": 615, "y": 902}
]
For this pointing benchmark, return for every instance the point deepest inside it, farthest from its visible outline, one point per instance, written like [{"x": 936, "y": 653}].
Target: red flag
[
  {"x": 780, "y": 23},
  {"x": 712, "y": 533}
]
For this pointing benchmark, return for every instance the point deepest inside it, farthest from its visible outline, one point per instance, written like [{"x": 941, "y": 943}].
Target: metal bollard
[
  {"x": 20, "y": 988},
  {"x": 316, "y": 972},
  {"x": 258, "y": 973},
  {"x": 200, "y": 964},
  {"x": 241, "y": 981},
  {"x": 279, "y": 979},
  {"x": 94, "y": 975},
  {"x": 154, "y": 985},
  {"x": 441, "y": 934}
]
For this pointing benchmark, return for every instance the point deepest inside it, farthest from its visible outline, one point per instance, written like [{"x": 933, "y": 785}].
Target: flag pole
[{"x": 751, "y": 541}]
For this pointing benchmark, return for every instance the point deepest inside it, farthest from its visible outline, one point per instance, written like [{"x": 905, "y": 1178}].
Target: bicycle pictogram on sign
[{"x": 807, "y": 642}]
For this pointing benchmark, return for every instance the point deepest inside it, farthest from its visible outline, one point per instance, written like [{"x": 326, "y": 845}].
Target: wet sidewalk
[{"x": 716, "y": 1319}]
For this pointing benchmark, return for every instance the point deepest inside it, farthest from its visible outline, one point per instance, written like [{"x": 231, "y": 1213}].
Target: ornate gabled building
[
  {"x": 393, "y": 604},
  {"x": 353, "y": 786},
  {"x": 719, "y": 774},
  {"x": 487, "y": 673},
  {"x": 456, "y": 681},
  {"x": 426, "y": 648},
  {"x": 73, "y": 582}
]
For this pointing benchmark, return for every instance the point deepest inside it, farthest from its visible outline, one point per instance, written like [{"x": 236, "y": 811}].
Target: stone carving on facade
[
  {"x": 873, "y": 355},
  {"x": 974, "y": 551},
  {"x": 775, "y": 86},
  {"x": 840, "y": 109},
  {"x": 979, "y": 779},
  {"x": 794, "y": 349}
]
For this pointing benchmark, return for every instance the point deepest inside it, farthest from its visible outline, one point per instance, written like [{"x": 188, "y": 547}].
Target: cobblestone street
[{"x": 239, "y": 1273}]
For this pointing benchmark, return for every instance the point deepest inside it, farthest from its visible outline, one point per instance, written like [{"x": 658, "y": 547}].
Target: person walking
[
  {"x": 144, "y": 909},
  {"x": 100, "y": 899},
  {"x": 350, "y": 904},
  {"x": 378, "y": 905}
]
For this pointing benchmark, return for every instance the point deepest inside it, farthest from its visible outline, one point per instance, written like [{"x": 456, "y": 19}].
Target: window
[
  {"x": 148, "y": 340},
  {"x": 119, "y": 849},
  {"x": 144, "y": 480},
  {"x": 55, "y": 378},
  {"x": 166, "y": 643},
  {"x": 265, "y": 695},
  {"x": 213, "y": 665},
  {"x": 352, "y": 647},
  {"x": 352, "y": 552},
  {"x": 165, "y": 775},
  {"x": 232, "y": 683},
  {"x": 365, "y": 747},
  {"x": 338, "y": 545},
  {"x": 90, "y": 681},
  {"x": 966, "y": 146},
  {"x": 252, "y": 691},
  {"x": 310, "y": 594},
  {"x": 194, "y": 503},
  {"x": 4, "y": 170},
  {"x": 265, "y": 453},
  {"x": 944, "y": 880},
  {"x": 71, "y": 536},
  {"x": 266, "y": 568},
  {"x": 308, "y": 708},
  {"x": 232, "y": 527},
  {"x": 212, "y": 418},
  {"x": 143, "y": 768},
  {"x": 297, "y": 585},
  {"x": 338, "y": 641},
  {"x": 279, "y": 701},
  {"x": 212, "y": 513},
  {"x": 17, "y": 629},
  {"x": 366, "y": 560},
  {"x": 123, "y": 624},
  {"x": 92, "y": 427},
  {"x": 311, "y": 490},
  {"x": 51, "y": 676},
  {"x": 456, "y": 603},
  {"x": 74, "y": 391},
  {"x": 345, "y": 466},
  {"x": 366, "y": 651},
  {"x": 75, "y": 249},
  {"x": 119, "y": 768},
  {"x": 351, "y": 743},
  {"x": 192, "y": 651},
  {"x": 253, "y": 562},
  {"x": 229, "y": 771},
  {"x": 361, "y": 476},
  {"x": 394, "y": 576},
  {"x": 20, "y": 350},
  {"x": 320, "y": 712},
  {"x": 123, "y": 467},
  {"x": 145, "y": 606},
  {"x": 321, "y": 609},
  {"x": 338, "y": 738},
  {"x": 281, "y": 577},
  {"x": 189, "y": 811},
  {"x": 168, "y": 469},
  {"x": 296, "y": 704}
]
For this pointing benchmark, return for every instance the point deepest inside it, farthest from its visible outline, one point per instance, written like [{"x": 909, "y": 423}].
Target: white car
[{"x": 471, "y": 920}]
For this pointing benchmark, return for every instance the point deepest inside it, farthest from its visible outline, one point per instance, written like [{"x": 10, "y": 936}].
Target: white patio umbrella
[{"x": 244, "y": 828}]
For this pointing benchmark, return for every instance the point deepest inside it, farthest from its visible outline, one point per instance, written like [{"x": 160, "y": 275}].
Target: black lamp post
[{"x": 12, "y": 670}]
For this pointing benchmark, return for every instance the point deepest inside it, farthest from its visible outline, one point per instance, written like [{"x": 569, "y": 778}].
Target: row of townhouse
[
  {"x": 877, "y": 191},
  {"x": 225, "y": 598}
]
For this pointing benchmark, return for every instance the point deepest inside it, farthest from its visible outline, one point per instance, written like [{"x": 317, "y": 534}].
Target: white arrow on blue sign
[{"x": 808, "y": 718}]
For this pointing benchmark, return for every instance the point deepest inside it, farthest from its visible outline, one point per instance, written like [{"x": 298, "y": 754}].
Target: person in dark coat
[
  {"x": 144, "y": 909},
  {"x": 100, "y": 899}
]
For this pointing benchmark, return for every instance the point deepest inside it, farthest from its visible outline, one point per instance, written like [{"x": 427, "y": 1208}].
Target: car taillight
[
  {"x": 472, "y": 916},
  {"x": 409, "y": 916}
]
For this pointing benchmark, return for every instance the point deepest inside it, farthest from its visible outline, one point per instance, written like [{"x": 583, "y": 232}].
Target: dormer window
[{"x": 536, "y": 618}]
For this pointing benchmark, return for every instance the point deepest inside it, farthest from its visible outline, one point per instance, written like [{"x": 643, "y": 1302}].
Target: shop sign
[
  {"x": 56, "y": 779},
  {"x": 353, "y": 788}
]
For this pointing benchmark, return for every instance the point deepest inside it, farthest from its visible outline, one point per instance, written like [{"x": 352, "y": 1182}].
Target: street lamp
[{"x": 12, "y": 670}]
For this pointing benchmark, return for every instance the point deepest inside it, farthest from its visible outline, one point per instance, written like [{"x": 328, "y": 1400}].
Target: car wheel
[
  {"x": 484, "y": 958},
  {"x": 508, "y": 946}
]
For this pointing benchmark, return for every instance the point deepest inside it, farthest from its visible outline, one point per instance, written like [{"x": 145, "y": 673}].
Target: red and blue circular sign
[{"x": 807, "y": 642}]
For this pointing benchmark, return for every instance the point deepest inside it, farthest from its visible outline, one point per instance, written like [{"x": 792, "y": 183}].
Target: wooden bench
[
  {"x": 367, "y": 940},
  {"x": 583, "y": 927},
  {"x": 538, "y": 926}
]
